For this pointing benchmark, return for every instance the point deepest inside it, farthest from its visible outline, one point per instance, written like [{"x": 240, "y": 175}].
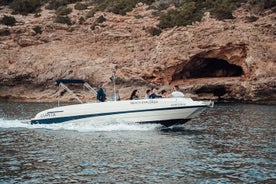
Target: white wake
[{"x": 84, "y": 126}]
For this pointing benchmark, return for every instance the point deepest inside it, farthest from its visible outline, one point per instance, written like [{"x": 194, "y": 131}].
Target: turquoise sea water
[{"x": 230, "y": 143}]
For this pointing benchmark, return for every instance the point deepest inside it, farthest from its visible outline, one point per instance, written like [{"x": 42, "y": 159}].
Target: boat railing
[
  {"x": 61, "y": 85},
  {"x": 91, "y": 90}
]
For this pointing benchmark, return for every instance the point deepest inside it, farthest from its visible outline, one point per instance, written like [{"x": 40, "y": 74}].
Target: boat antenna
[
  {"x": 59, "y": 94},
  {"x": 113, "y": 79}
]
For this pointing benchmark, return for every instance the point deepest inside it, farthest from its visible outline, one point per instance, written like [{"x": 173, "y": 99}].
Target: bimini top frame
[{"x": 61, "y": 84}]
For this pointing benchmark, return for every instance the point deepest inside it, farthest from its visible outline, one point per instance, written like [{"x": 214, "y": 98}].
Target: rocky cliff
[{"x": 231, "y": 60}]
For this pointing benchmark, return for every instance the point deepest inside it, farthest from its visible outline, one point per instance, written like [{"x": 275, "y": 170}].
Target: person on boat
[
  {"x": 164, "y": 93},
  {"x": 177, "y": 93},
  {"x": 148, "y": 93},
  {"x": 101, "y": 94},
  {"x": 153, "y": 94},
  {"x": 134, "y": 95}
]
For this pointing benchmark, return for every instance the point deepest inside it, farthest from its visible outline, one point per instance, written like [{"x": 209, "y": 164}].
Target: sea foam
[{"x": 83, "y": 126}]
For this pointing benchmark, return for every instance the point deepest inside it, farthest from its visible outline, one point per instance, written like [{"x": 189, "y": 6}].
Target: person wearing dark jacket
[
  {"x": 101, "y": 94},
  {"x": 164, "y": 93},
  {"x": 153, "y": 94}
]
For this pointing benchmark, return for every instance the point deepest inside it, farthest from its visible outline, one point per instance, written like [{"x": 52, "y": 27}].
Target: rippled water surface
[{"x": 230, "y": 143}]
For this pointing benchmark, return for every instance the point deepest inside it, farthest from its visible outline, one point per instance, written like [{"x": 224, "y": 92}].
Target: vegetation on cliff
[
  {"x": 171, "y": 13},
  {"x": 190, "y": 11},
  {"x": 8, "y": 20}
]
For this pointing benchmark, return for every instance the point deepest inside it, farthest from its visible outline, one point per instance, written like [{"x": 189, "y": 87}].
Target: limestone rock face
[{"x": 232, "y": 60}]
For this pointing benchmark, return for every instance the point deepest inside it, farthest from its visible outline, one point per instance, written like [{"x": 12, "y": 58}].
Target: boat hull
[
  {"x": 167, "y": 112},
  {"x": 168, "y": 123}
]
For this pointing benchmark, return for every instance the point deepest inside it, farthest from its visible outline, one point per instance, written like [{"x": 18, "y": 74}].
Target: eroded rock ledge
[{"x": 228, "y": 61}]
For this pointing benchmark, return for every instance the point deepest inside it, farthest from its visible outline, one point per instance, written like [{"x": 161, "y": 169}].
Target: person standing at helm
[{"x": 101, "y": 94}]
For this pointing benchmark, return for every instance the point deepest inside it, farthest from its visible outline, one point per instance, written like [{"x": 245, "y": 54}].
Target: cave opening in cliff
[{"x": 200, "y": 67}]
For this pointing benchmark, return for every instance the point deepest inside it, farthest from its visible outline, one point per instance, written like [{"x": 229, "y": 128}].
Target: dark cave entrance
[{"x": 208, "y": 67}]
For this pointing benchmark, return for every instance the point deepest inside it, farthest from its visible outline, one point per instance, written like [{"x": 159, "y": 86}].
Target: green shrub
[
  {"x": 37, "y": 29},
  {"x": 190, "y": 11},
  {"x": 269, "y": 4},
  {"x": 81, "y": 20},
  {"x": 138, "y": 16},
  {"x": 5, "y": 32},
  {"x": 8, "y": 20},
  {"x": 63, "y": 20},
  {"x": 63, "y": 10},
  {"x": 183, "y": 16},
  {"x": 263, "y": 4},
  {"x": 154, "y": 31},
  {"x": 148, "y": 2},
  {"x": 25, "y": 6},
  {"x": 223, "y": 9},
  {"x": 163, "y": 5},
  {"x": 251, "y": 19},
  {"x": 5, "y": 2},
  {"x": 90, "y": 14},
  {"x": 81, "y": 6},
  {"x": 93, "y": 26},
  {"x": 120, "y": 7},
  {"x": 55, "y": 4},
  {"x": 101, "y": 19}
]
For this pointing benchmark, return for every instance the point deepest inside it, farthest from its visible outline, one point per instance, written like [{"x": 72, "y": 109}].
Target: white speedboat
[{"x": 166, "y": 111}]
